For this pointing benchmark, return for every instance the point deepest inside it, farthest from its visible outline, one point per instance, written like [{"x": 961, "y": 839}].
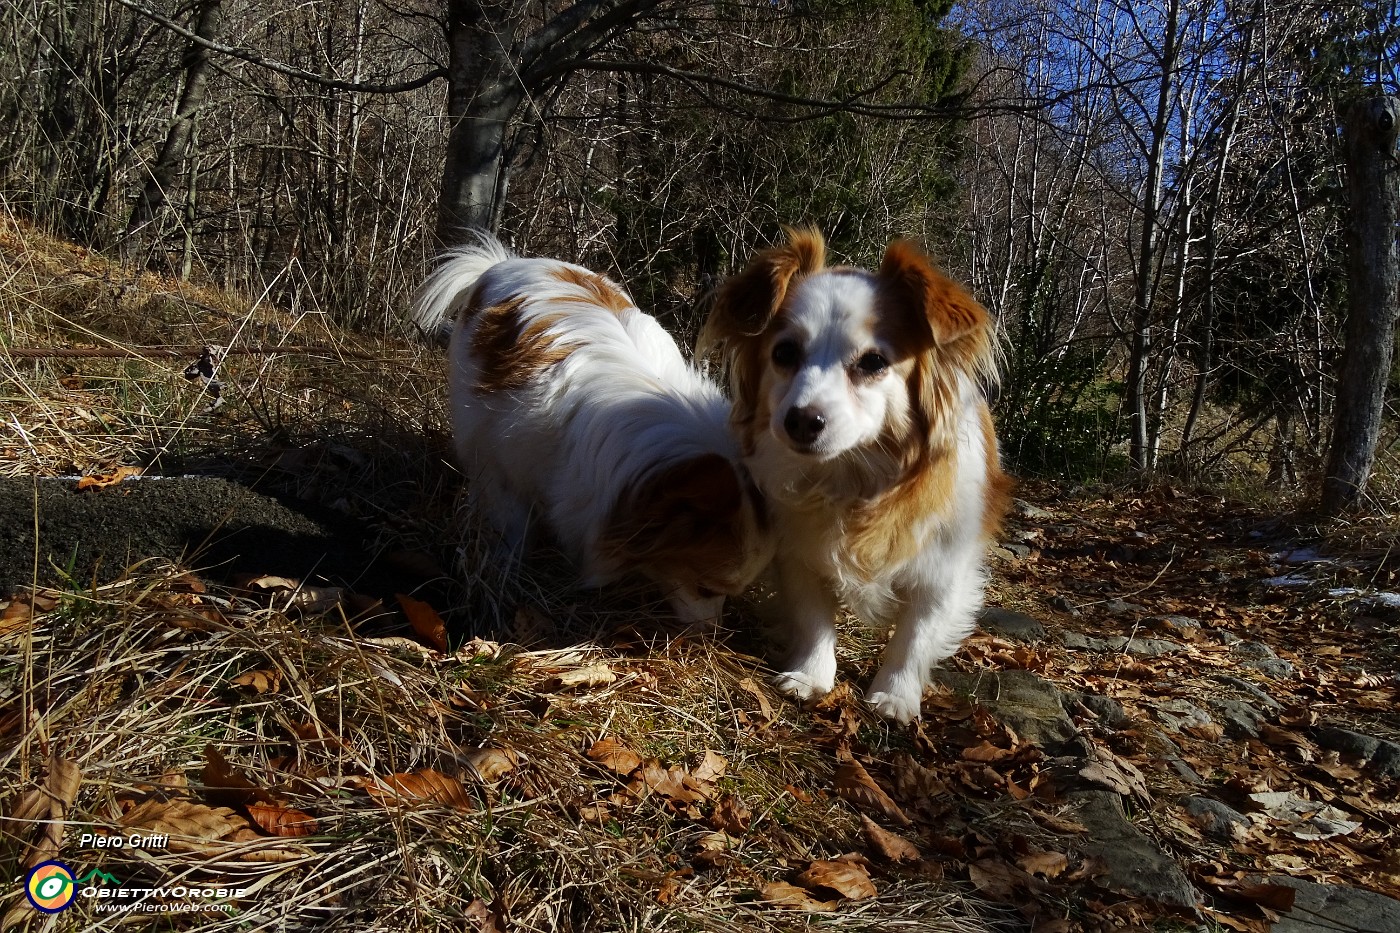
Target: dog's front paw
[
  {"x": 901, "y": 709},
  {"x": 802, "y": 685}
]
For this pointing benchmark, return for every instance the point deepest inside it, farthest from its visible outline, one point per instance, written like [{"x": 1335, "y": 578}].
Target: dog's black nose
[{"x": 803, "y": 425}]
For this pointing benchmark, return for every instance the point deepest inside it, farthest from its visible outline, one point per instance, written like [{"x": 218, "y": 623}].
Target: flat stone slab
[
  {"x": 1135, "y": 865},
  {"x": 1334, "y": 908},
  {"x": 1012, "y": 624},
  {"x": 1215, "y": 818},
  {"x": 1031, "y": 706},
  {"x": 1142, "y": 647},
  {"x": 1380, "y": 755},
  {"x": 1078, "y": 641},
  {"x": 1239, "y": 718}
]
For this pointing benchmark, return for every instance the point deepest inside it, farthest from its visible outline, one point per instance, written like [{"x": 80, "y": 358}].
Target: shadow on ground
[{"x": 54, "y": 534}]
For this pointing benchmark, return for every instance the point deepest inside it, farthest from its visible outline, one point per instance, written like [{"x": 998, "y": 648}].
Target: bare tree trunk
[
  {"x": 483, "y": 94},
  {"x": 166, "y": 168},
  {"x": 1140, "y": 452},
  {"x": 1373, "y": 263}
]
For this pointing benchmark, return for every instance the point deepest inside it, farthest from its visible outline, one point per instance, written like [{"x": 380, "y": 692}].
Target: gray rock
[
  {"x": 1262, "y": 658},
  {"x": 1077, "y": 641},
  {"x": 1174, "y": 625},
  {"x": 1063, "y": 604},
  {"x": 1011, "y": 624},
  {"x": 1332, "y": 908},
  {"x": 1177, "y": 715},
  {"x": 1165, "y": 750},
  {"x": 1018, "y": 551},
  {"x": 1143, "y": 647},
  {"x": 1028, "y": 705},
  {"x": 1024, "y": 509},
  {"x": 1106, "y": 709},
  {"x": 1135, "y": 865},
  {"x": 1185, "y": 771},
  {"x": 1118, "y": 607},
  {"x": 1251, "y": 688},
  {"x": 1226, "y": 638},
  {"x": 1239, "y": 718},
  {"x": 1215, "y": 818},
  {"x": 1379, "y": 755}
]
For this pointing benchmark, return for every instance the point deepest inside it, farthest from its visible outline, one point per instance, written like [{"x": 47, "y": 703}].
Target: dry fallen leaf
[
  {"x": 102, "y": 481},
  {"x": 887, "y": 844},
  {"x": 21, "y": 610},
  {"x": 614, "y": 756},
  {"x": 731, "y": 816},
  {"x": 39, "y": 814},
  {"x": 1048, "y": 865},
  {"x": 790, "y": 897},
  {"x": 426, "y": 623},
  {"x": 848, "y": 879},
  {"x": 259, "y": 681},
  {"x": 594, "y": 675},
  {"x": 489, "y": 918},
  {"x": 492, "y": 764},
  {"x": 765, "y": 708},
  {"x": 673, "y": 783},
  {"x": 854, "y": 784},
  {"x": 711, "y": 768},
  {"x": 276, "y": 820},
  {"x": 422, "y": 786}
]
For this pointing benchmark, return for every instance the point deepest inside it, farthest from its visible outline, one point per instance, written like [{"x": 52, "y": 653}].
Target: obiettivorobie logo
[{"x": 50, "y": 887}]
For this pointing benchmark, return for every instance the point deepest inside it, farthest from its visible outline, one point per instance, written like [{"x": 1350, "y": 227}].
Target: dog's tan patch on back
[
  {"x": 509, "y": 354},
  {"x": 598, "y": 290}
]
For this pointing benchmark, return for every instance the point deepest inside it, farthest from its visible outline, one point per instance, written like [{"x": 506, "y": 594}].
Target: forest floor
[{"x": 292, "y": 671}]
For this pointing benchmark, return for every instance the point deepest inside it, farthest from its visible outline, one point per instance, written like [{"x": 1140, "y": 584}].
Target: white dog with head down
[
  {"x": 573, "y": 408},
  {"x": 859, "y": 404}
]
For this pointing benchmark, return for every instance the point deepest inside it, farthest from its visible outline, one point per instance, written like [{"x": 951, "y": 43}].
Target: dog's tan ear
[
  {"x": 747, "y": 302},
  {"x": 951, "y": 312}
]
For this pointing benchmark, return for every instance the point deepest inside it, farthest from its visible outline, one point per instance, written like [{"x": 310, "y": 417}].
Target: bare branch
[{"x": 254, "y": 57}]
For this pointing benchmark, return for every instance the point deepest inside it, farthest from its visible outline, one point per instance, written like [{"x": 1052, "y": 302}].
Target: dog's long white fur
[{"x": 568, "y": 448}]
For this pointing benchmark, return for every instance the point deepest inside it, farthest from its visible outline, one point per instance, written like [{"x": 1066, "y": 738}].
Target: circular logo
[{"x": 50, "y": 887}]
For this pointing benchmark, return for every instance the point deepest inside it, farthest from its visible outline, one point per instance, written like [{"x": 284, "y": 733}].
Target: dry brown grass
[{"x": 134, "y": 682}]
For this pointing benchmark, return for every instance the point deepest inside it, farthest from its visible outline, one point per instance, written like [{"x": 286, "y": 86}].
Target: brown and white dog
[
  {"x": 572, "y": 408},
  {"x": 858, "y": 400}
]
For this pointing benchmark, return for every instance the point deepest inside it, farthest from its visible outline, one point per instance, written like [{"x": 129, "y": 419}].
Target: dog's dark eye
[
  {"x": 872, "y": 364},
  {"x": 786, "y": 354}
]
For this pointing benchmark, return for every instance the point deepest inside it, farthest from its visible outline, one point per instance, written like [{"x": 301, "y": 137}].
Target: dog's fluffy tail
[{"x": 447, "y": 290}]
